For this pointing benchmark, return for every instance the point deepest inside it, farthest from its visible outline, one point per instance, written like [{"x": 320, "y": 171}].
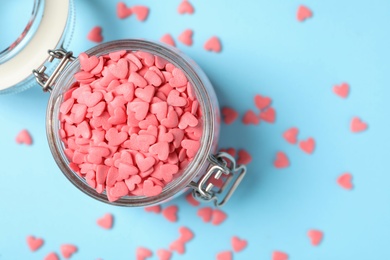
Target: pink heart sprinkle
[
  {"x": 186, "y": 37},
  {"x": 141, "y": 12},
  {"x": 120, "y": 70},
  {"x": 138, "y": 80},
  {"x": 243, "y": 157},
  {"x": 170, "y": 213},
  {"x": 303, "y": 13},
  {"x": 164, "y": 254},
  {"x": 218, "y": 216},
  {"x": 357, "y": 125},
  {"x": 51, "y": 256},
  {"x": 143, "y": 253},
  {"x": 213, "y": 44},
  {"x": 187, "y": 119},
  {"x": 95, "y": 35},
  {"x": 140, "y": 108},
  {"x": 155, "y": 209},
  {"x": 290, "y": 135},
  {"x": 179, "y": 79},
  {"x": 191, "y": 200},
  {"x": 268, "y": 115},
  {"x": 185, "y": 7},
  {"x": 174, "y": 99},
  {"x": 250, "y": 118},
  {"x": 229, "y": 115},
  {"x": 132, "y": 181},
  {"x": 168, "y": 39},
  {"x": 150, "y": 190},
  {"x": 34, "y": 243},
  {"x": 307, "y": 145},
  {"x": 105, "y": 221},
  {"x": 161, "y": 149},
  {"x": 205, "y": 213},
  {"x": 262, "y": 102},
  {"x": 238, "y": 244},
  {"x": 122, "y": 11},
  {"x": 120, "y": 189},
  {"x": 67, "y": 250},
  {"x": 225, "y": 255},
  {"x": 143, "y": 163},
  {"x": 345, "y": 181},
  {"x": 147, "y": 93},
  {"x": 24, "y": 137},
  {"x": 277, "y": 255},
  {"x": 178, "y": 246},
  {"x": 281, "y": 160},
  {"x": 114, "y": 137},
  {"x": 88, "y": 63},
  {"x": 315, "y": 236},
  {"x": 341, "y": 90},
  {"x": 186, "y": 234}
]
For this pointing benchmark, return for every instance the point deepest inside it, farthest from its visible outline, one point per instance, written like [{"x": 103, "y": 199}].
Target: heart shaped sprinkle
[
  {"x": 141, "y": 12},
  {"x": 88, "y": 63},
  {"x": 250, "y": 118},
  {"x": 95, "y": 35},
  {"x": 229, "y": 115},
  {"x": 345, "y": 181},
  {"x": 307, "y": 145},
  {"x": 243, "y": 157},
  {"x": 218, "y": 217},
  {"x": 34, "y": 243},
  {"x": 143, "y": 253},
  {"x": 357, "y": 125},
  {"x": 51, "y": 256},
  {"x": 262, "y": 102},
  {"x": 278, "y": 255},
  {"x": 150, "y": 189},
  {"x": 24, "y": 137},
  {"x": 155, "y": 209},
  {"x": 67, "y": 250},
  {"x": 205, "y": 213},
  {"x": 290, "y": 135},
  {"x": 268, "y": 115},
  {"x": 225, "y": 255},
  {"x": 185, "y": 7},
  {"x": 105, "y": 221},
  {"x": 170, "y": 213},
  {"x": 213, "y": 44},
  {"x": 315, "y": 236},
  {"x": 168, "y": 39},
  {"x": 281, "y": 160},
  {"x": 186, "y": 37},
  {"x": 164, "y": 254},
  {"x": 122, "y": 11},
  {"x": 303, "y": 13},
  {"x": 238, "y": 244},
  {"x": 341, "y": 90}
]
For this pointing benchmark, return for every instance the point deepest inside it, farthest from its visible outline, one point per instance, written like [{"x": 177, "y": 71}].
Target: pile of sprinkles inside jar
[{"x": 130, "y": 123}]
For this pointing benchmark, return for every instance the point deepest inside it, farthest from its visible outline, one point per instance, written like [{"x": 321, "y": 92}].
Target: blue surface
[{"x": 265, "y": 51}]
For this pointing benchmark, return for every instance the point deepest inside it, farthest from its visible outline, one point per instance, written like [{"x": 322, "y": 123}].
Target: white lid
[{"x": 48, "y": 35}]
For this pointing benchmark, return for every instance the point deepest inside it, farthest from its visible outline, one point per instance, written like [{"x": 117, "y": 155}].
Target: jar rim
[{"x": 199, "y": 81}]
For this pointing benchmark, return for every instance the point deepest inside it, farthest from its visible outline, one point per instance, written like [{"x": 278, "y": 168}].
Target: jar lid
[{"x": 45, "y": 30}]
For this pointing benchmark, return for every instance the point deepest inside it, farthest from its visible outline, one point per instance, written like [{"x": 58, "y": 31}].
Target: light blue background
[{"x": 265, "y": 51}]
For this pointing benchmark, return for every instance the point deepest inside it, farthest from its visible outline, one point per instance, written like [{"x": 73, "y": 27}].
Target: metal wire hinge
[
  {"x": 222, "y": 167},
  {"x": 47, "y": 81}
]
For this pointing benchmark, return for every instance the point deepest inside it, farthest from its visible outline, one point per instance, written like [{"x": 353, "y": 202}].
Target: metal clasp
[
  {"x": 47, "y": 81},
  {"x": 222, "y": 165}
]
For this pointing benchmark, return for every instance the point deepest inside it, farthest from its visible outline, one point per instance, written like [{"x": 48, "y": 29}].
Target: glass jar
[
  {"x": 56, "y": 75},
  {"x": 194, "y": 173}
]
